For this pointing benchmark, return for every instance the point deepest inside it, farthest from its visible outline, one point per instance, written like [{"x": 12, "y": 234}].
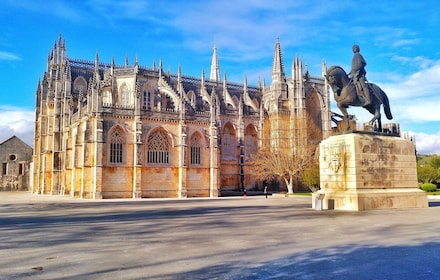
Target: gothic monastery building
[{"x": 128, "y": 131}]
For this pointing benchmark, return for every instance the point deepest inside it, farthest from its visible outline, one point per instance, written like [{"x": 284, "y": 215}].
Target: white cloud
[
  {"x": 405, "y": 42},
  {"x": 415, "y": 97},
  {"x": 424, "y": 82},
  {"x": 8, "y": 56},
  {"x": 428, "y": 143},
  {"x": 17, "y": 121}
]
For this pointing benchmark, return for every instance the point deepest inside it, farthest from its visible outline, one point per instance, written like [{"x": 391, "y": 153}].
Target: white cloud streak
[{"x": 8, "y": 56}]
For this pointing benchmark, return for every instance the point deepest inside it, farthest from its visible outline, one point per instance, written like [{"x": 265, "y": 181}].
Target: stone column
[{"x": 182, "y": 189}]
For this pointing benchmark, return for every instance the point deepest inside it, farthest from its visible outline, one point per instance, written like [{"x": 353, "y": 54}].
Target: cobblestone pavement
[{"x": 49, "y": 237}]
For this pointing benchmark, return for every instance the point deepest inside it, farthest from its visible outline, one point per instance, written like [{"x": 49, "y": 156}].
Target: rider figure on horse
[{"x": 358, "y": 73}]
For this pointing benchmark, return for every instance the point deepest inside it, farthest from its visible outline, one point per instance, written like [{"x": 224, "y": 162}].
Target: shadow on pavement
[{"x": 346, "y": 262}]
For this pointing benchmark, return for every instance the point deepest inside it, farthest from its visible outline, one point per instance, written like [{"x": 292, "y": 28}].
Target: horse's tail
[{"x": 386, "y": 106}]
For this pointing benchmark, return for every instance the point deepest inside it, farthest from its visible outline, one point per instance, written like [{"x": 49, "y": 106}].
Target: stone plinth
[{"x": 364, "y": 171}]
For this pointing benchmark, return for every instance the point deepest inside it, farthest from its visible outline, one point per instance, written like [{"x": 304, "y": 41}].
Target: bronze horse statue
[{"x": 345, "y": 94}]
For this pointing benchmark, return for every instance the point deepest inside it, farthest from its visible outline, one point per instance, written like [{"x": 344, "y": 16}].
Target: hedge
[{"x": 428, "y": 187}]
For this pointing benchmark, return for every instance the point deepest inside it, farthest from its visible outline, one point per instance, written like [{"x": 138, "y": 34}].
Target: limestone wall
[
  {"x": 198, "y": 182},
  {"x": 117, "y": 182}
]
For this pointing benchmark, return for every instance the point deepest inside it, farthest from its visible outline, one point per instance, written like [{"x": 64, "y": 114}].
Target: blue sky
[{"x": 399, "y": 40}]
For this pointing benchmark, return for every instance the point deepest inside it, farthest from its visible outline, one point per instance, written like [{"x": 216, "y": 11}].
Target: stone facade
[
  {"x": 16, "y": 157},
  {"x": 120, "y": 131}
]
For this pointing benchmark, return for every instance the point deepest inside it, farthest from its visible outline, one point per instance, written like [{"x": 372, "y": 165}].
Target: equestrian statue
[{"x": 354, "y": 90}]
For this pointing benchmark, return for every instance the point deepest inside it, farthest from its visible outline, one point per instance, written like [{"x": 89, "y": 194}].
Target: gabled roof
[{"x": 16, "y": 139}]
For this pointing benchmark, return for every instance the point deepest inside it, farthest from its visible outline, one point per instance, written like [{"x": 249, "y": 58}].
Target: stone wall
[{"x": 15, "y": 156}]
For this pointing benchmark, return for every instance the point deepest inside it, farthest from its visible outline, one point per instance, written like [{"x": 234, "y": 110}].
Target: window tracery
[
  {"x": 116, "y": 146},
  {"x": 146, "y": 104},
  {"x": 158, "y": 148},
  {"x": 195, "y": 150}
]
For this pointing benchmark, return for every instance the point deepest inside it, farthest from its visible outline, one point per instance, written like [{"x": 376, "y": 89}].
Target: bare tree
[{"x": 291, "y": 149}]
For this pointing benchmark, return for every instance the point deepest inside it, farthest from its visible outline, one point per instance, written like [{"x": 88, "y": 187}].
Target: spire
[
  {"x": 126, "y": 61},
  {"x": 136, "y": 64},
  {"x": 160, "y": 68},
  {"x": 181, "y": 91},
  {"x": 60, "y": 41},
  {"x": 296, "y": 68},
  {"x": 180, "y": 88},
  {"x": 246, "y": 98},
  {"x": 215, "y": 68},
  {"x": 245, "y": 89},
  {"x": 154, "y": 65},
  {"x": 112, "y": 67},
  {"x": 96, "y": 76},
  {"x": 225, "y": 87},
  {"x": 96, "y": 62},
  {"x": 278, "y": 73},
  {"x": 226, "y": 96},
  {"x": 204, "y": 92},
  {"x": 202, "y": 80}
]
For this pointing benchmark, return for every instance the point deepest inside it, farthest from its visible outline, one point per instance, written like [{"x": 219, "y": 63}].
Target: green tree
[
  {"x": 310, "y": 177},
  {"x": 429, "y": 172},
  {"x": 435, "y": 162}
]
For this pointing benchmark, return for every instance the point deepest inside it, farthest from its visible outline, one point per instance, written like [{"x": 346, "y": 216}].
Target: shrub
[{"x": 429, "y": 187}]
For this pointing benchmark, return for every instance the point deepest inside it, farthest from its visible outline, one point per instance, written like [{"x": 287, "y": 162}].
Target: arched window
[
  {"x": 79, "y": 86},
  {"x": 125, "y": 96},
  {"x": 250, "y": 141},
  {"x": 158, "y": 148},
  {"x": 195, "y": 149},
  {"x": 229, "y": 145},
  {"x": 116, "y": 146},
  {"x": 146, "y": 104},
  {"x": 79, "y": 93}
]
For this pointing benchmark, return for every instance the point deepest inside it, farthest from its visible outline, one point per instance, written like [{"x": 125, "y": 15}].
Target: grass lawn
[{"x": 437, "y": 192}]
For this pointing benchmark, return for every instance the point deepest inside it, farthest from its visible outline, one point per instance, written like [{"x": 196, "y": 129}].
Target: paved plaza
[{"x": 50, "y": 237}]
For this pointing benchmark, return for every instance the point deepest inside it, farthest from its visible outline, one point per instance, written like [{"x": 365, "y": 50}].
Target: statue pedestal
[{"x": 364, "y": 171}]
